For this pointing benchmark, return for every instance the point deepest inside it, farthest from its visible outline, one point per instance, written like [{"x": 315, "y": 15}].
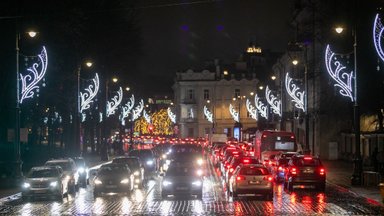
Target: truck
[{"x": 217, "y": 138}]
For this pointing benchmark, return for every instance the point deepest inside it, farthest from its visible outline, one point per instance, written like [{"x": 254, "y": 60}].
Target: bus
[{"x": 269, "y": 143}]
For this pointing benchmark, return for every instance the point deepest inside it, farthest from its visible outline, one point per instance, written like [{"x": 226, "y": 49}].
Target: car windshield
[
  {"x": 132, "y": 162},
  {"x": 107, "y": 170},
  {"x": 43, "y": 173},
  {"x": 307, "y": 162},
  {"x": 254, "y": 171},
  {"x": 181, "y": 171},
  {"x": 64, "y": 165}
]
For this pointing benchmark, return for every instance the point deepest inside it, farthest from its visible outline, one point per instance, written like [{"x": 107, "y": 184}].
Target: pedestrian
[{"x": 374, "y": 160}]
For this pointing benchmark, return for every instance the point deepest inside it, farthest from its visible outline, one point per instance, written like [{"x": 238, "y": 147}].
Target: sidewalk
[
  {"x": 339, "y": 173},
  {"x": 92, "y": 160}
]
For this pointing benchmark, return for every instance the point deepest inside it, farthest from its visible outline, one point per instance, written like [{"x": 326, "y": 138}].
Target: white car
[
  {"x": 70, "y": 170},
  {"x": 45, "y": 181}
]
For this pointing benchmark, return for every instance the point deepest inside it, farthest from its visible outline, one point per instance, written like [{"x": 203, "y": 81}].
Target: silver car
[
  {"x": 70, "y": 170},
  {"x": 45, "y": 181},
  {"x": 251, "y": 179}
]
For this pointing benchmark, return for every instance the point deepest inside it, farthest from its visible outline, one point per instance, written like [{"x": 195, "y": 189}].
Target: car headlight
[
  {"x": 26, "y": 185},
  {"x": 53, "y": 184},
  {"x": 164, "y": 156},
  {"x": 168, "y": 162},
  {"x": 137, "y": 181},
  {"x": 200, "y": 161},
  {"x": 199, "y": 172},
  {"x": 136, "y": 173},
  {"x": 196, "y": 183},
  {"x": 166, "y": 183},
  {"x": 124, "y": 181},
  {"x": 98, "y": 182},
  {"x": 149, "y": 162},
  {"x": 81, "y": 170}
]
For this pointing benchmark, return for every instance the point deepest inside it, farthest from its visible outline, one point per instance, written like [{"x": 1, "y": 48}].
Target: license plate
[
  {"x": 308, "y": 171},
  {"x": 39, "y": 191},
  {"x": 254, "y": 182},
  {"x": 111, "y": 186},
  {"x": 181, "y": 188}
]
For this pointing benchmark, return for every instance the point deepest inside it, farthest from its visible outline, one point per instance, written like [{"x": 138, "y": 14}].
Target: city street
[{"x": 216, "y": 201}]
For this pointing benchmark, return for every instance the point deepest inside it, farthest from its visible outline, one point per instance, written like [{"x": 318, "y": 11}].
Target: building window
[
  {"x": 191, "y": 94},
  {"x": 206, "y": 94},
  {"x": 237, "y": 93}
]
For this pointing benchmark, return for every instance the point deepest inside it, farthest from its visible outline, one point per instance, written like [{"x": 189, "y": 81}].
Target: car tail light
[
  {"x": 322, "y": 171},
  {"x": 240, "y": 178},
  {"x": 231, "y": 170},
  {"x": 294, "y": 171},
  {"x": 228, "y": 165},
  {"x": 307, "y": 158},
  {"x": 280, "y": 168},
  {"x": 269, "y": 178},
  {"x": 246, "y": 161}
]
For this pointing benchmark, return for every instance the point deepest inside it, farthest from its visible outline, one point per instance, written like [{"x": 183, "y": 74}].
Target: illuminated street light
[
  {"x": 295, "y": 62},
  {"x": 115, "y": 80},
  {"x": 339, "y": 29}
]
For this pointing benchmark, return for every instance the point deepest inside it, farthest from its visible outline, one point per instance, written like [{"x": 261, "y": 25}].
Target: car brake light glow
[
  {"x": 293, "y": 171},
  {"x": 322, "y": 171},
  {"x": 280, "y": 168},
  {"x": 239, "y": 178},
  {"x": 231, "y": 170},
  {"x": 307, "y": 158},
  {"x": 246, "y": 161},
  {"x": 269, "y": 178}
]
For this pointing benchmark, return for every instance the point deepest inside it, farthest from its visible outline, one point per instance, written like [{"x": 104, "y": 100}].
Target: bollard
[{"x": 381, "y": 187}]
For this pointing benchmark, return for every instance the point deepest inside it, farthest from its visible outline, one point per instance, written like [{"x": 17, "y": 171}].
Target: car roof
[
  {"x": 44, "y": 167},
  {"x": 59, "y": 160}
]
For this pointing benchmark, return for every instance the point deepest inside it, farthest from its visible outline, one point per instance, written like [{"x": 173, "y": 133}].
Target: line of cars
[
  {"x": 245, "y": 174},
  {"x": 56, "y": 178}
]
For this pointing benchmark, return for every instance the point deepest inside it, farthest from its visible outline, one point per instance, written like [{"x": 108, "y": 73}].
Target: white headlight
[
  {"x": 26, "y": 185},
  {"x": 200, "y": 161},
  {"x": 136, "y": 173},
  {"x": 97, "y": 181},
  {"x": 199, "y": 172},
  {"x": 149, "y": 162},
  {"x": 166, "y": 183},
  {"x": 196, "y": 183},
  {"x": 81, "y": 170},
  {"x": 124, "y": 181},
  {"x": 164, "y": 156},
  {"x": 53, "y": 184}
]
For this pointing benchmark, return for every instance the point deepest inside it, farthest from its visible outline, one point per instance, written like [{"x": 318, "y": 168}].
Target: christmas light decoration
[
  {"x": 83, "y": 117},
  {"x": 273, "y": 101},
  {"x": 146, "y": 117},
  {"x": 171, "y": 115},
  {"x": 137, "y": 111},
  {"x": 126, "y": 109},
  {"x": 37, "y": 71},
  {"x": 261, "y": 107},
  {"x": 208, "y": 114},
  {"x": 116, "y": 100},
  {"x": 378, "y": 29},
  {"x": 100, "y": 117},
  {"x": 294, "y": 91},
  {"x": 161, "y": 124},
  {"x": 251, "y": 109},
  {"x": 337, "y": 71},
  {"x": 234, "y": 113},
  {"x": 90, "y": 93}
]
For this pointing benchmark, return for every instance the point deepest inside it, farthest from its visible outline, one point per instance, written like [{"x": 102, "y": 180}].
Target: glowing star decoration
[
  {"x": 273, "y": 102},
  {"x": 147, "y": 117},
  {"x": 337, "y": 71},
  {"x": 36, "y": 73},
  {"x": 251, "y": 109},
  {"x": 234, "y": 113},
  {"x": 378, "y": 29},
  {"x": 137, "y": 111},
  {"x": 208, "y": 114},
  {"x": 116, "y": 101},
  {"x": 90, "y": 93},
  {"x": 261, "y": 107},
  {"x": 294, "y": 91},
  {"x": 171, "y": 115},
  {"x": 126, "y": 109}
]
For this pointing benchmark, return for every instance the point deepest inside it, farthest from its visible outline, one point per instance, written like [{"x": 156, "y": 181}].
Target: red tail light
[
  {"x": 228, "y": 165},
  {"x": 269, "y": 178},
  {"x": 294, "y": 171},
  {"x": 280, "y": 168},
  {"x": 231, "y": 170},
  {"x": 246, "y": 161},
  {"x": 239, "y": 178},
  {"x": 322, "y": 171},
  {"x": 307, "y": 158}
]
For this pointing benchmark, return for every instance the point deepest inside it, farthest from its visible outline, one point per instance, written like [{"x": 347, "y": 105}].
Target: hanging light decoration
[
  {"x": 146, "y": 117},
  {"x": 36, "y": 74},
  {"x": 90, "y": 92},
  {"x": 208, "y": 114},
  {"x": 116, "y": 101},
  {"x": 294, "y": 92},
  {"x": 378, "y": 29},
  {"x": 273, "y": 101},
  {"x": 234, "y": 113},
  {"x": 137, "y": 111},
  {"x": 126, "y": 109},
  {"x": 261, "y": 107},
  {"x": 171, "y": 115},
  {"x": 251, "y": 109},
  {"x": 337, "y": 71}
]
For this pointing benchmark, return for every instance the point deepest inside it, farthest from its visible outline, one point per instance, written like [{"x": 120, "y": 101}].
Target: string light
[
  {"x": 137, "y": 111},
  {"x": 378, "y": 29},
  {"x": 90, "y": 92},
  {"x": 294, "y": 92},
  {"x": 146, "y": 117},
  {"x": 116, "y": 101},
  {"x": 171, "y": 115},
  {"x": 126, "y": 109},
  {"x": 208, "y": 114},
  {"x": 273, "y": 101},
  {"x": 261, "y": 107},
  {"x": 251, "y": 109},
  {"x": 234, "y": 113}
]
